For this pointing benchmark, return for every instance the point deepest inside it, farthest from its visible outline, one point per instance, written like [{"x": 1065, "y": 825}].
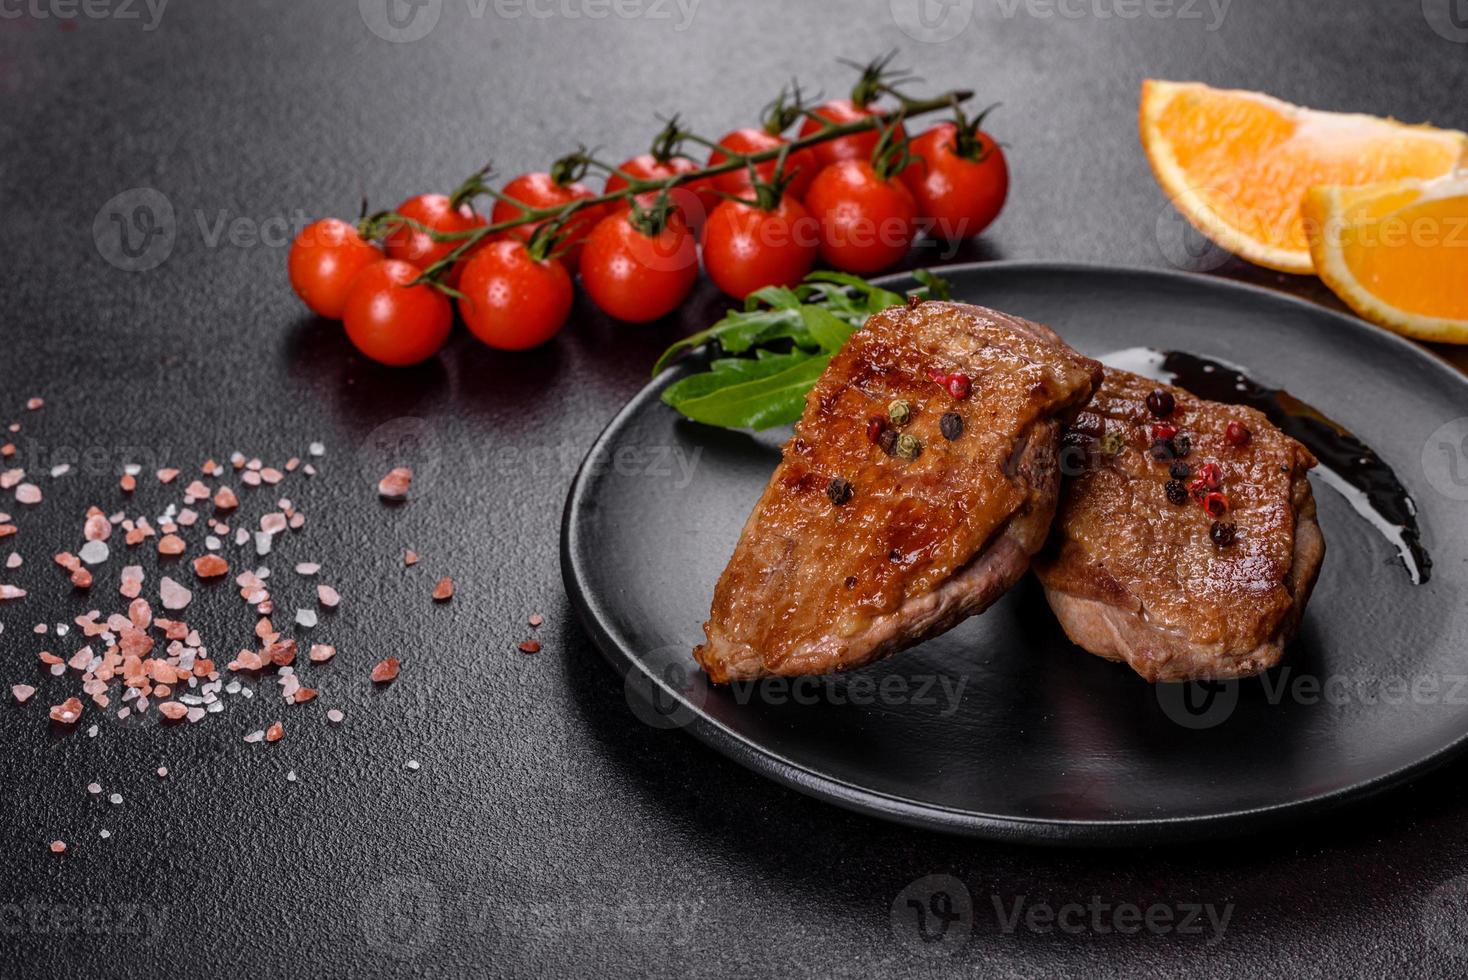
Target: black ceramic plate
[{"x": 1001, "y": 727}]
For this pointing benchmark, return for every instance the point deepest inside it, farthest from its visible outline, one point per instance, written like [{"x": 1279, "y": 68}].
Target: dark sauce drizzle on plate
[{"x": 1350, "y": 466}]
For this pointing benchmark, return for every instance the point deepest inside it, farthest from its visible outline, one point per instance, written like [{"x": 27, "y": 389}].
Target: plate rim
[{"x": 969, "y": 822}]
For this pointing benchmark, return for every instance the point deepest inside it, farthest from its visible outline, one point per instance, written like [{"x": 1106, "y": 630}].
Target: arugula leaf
[
  {"x": 806, "y": 326},
  {"x": 758, "y": 403}
]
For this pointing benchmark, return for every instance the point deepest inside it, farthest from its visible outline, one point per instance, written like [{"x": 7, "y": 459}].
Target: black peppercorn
[
  {"x": 1163, "y": 450},
  {"x": 1182, "y": 445},
  {"x": 838, "y": 490},
  {"x": 887, "y": 440},
  {"x": 1180, "y": 470},
  {"x": 1223, "y": 534},
  {"x": 951, "y": 425},
  {"x": 1176, "y": 492},
  {"x": 1161, "y": 403}
]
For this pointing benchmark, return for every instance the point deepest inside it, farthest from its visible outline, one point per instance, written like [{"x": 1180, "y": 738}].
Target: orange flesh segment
[
  {"x": 1384, "y": 245},
  {"x": 1253, "y": 162}
]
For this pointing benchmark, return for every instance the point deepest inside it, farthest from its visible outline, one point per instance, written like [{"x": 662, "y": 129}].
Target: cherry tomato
[
  {"x": 857, "y": 146},
  {"x": 635, "y": 276},
  {"x": 746, "y": 247},
  {"x": 694, "y": 200},
  {"x": 800, "y": 165},
  {"x": 392, "y": 322},
  {"x": 323, "y": 260},
  {"x": 540, "y": 190},
  {"x": 435, "y": 211},
  {"x": 867, "y": 221},
  {"x": 959, "y": 190},
  {"x": 512, "y": 301}
]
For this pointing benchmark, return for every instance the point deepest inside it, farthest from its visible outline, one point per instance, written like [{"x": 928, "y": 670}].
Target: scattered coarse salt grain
[
  {"x": 11, "y": 592},
  {"x": 262, "y": 543},
  {"x": 530, "y": 646},
  {"x": 22, "y": 692},
  {"x": 210, "y": 566},
  {"x": 172, "y": 710},
  {"x": 14, "y": 561},
  {"x": 444, "y": 590},
  {"x": 167, "y": 475},
  {"x": 174, "y": 596},
  {"x": 94, "y": 788},
  {"x": 395, "y": 485},
  {"x": 68, "y": 712},
  {"x": 94, "y": 552},
  {"x": 536, "y": 619},
  {"x": 290, "y": 777},
  {"x": 306, "y": 618},
  {"x": 411, "y": 765},
  {"x": 28, "y": 493},
  {"x": 273, "y": 522},
  {"x": 410, "y": 558},
  {"x": 104, "y": 833},
  {"x": 385, "y": 670},
  {"x": 316, "y": 449},
  {"x": 334, "y": 716},
  {"x": 329, "y": 597},
  {"x": 275, "y": 732},
  {"x": 255, "y": 736},
  {"x": 307, "y": 568},
  {"x": 171, "y": 544},
  {"x": 128, "y": 483},
  {"x": 162, "y": 772},
  {"x": 225, "y": 499},
  {"x": 320, "y": 653},
  {"x": 60, "y": 469},
  {"x": 115, "y": 799},
  {"x": 34, "y": 403},
  {"x": 58, "y": 847},
  {"x": 97, "y": 528}
]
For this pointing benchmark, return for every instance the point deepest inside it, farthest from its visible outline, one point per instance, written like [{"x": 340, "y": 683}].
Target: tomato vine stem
[{"x": 906, "y": 108}]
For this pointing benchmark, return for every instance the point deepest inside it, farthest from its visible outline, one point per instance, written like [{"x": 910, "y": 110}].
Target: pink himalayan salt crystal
[
  {"x": 321, "y": 652},
  {"x": 329, "y": 597},
  {"x": 273, "y": 523},
  {"x": 97, "y": 528},
  {"x": 174, "y": 596},
  {"x": 167, "y": 475},
  {"x": 34, "y": 404},
  {"x": 173, "y": 711},
  {"x": 22, "y": 692},
  {"x": 395, "y": 485},
  {"x": 334, "y": 716},
  {"x": 69, "y": 712},
  {"x": 307, "y": 568},
  {"x": 225, "y": 499},
  {"x": 10, "y": 478},
  {"x": 11, "y": 592},
  {"x": 14, "y": 561},
  {"x": 28, "y": 493}
]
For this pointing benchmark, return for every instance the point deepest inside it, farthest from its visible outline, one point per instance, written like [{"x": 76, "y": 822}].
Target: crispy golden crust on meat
[
  {"x": 1135, "y": 577},
  {"x": 814, "y": 587}
]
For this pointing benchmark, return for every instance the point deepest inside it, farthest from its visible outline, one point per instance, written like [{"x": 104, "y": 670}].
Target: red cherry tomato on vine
[
  {"x": 324, "y": 259},
  {"x": 392, "y": 322},
  {"x": 540, "y": 190},
  {"x": 800, "y": 165},
  {"x": 512, "y": 301},
  {"x": 747, "y": 248},
  {"x": 694, "y": 200},
  {"x": 867, "y": 221},
  {"x": 635, "y": 276},
  {"x": 959, "y": 191},
  {"x": 435, "y": 211},
  {"x": 857, "y": 146}
]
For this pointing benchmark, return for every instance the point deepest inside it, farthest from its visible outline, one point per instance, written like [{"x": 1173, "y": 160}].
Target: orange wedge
[
  {"x": 1237, "y": 164},
  {"x": 1396, "y": 253}
]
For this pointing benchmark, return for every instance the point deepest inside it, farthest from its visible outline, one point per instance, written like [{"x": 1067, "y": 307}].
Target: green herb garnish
[{"x": 780, "y": 343}]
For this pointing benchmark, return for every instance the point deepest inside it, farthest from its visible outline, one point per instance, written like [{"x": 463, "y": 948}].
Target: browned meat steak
[
  {"x": 876, "y": 531},
  {"x": 1139, "y": 570}
]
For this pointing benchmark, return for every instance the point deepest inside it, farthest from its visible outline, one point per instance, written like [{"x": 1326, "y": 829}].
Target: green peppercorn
[
  {"x": 908, "y": 446},
  {"x": 899, "y": 411},
  {"x": 1111, "y": 443}
]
